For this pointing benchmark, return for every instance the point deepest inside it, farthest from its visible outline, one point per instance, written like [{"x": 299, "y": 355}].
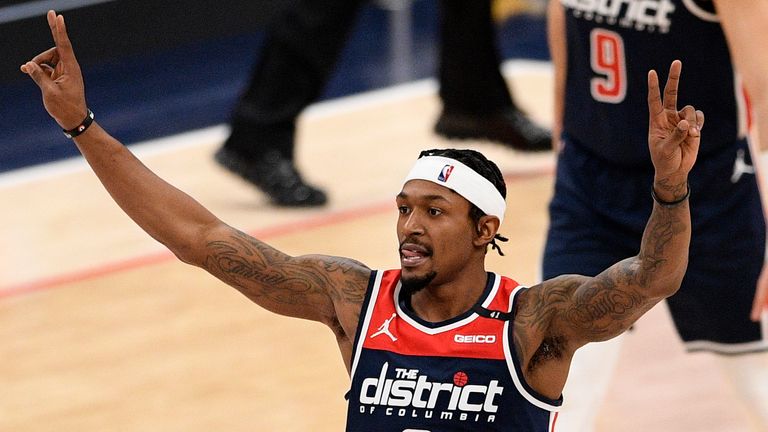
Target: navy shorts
[{"x": 598, "y": 214}]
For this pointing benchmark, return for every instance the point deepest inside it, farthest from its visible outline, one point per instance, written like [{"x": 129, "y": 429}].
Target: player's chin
[
  {"x": 411, "y": 273},
  {"x": 413, "y": 282}
]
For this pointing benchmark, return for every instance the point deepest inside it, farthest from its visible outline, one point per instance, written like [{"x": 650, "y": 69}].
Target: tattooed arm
[
  {"x": 564, "y": 313},
  {"x": 319, "y": 288},
  {"x": 581, "y": 309},
  {"x": 602, "y": 307},
  {"x": 315, "y": 287}
]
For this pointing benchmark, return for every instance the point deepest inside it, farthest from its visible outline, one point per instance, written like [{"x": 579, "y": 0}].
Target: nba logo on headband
[
  {"x": 461, "y": 179},
  {"x": 445, "y": 173}
]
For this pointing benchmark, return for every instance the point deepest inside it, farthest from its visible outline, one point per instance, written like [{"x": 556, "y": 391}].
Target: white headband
[{"x": 461, "y": 179}]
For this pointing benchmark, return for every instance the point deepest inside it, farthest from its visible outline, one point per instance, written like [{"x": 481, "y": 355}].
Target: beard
[{"x": 412, "y": 285}]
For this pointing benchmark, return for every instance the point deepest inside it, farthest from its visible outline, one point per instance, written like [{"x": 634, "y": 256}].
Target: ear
[{"x": 486, "y": 229}]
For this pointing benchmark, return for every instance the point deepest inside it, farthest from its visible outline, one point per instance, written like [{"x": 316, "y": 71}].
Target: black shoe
[
  {"x": 510, "y": 128},
  {"x": 275, "y": 175}
]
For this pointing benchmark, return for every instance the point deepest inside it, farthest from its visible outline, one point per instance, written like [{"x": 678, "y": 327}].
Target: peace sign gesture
[
  {"x": 58, "y": 75},
  {"x": 673, "y": 136}
]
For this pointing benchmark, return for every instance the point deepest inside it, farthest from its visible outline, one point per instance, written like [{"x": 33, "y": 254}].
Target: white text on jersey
[
  {"x": 640, "y": 14},
  {"x": 410, "y": 389},
  {"x": 475, "y": 339}
]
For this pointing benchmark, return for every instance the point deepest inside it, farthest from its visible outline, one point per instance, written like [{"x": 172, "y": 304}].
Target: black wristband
[
  {"x": 670, "y": 204},
  {"x": 81, "y": 128}
]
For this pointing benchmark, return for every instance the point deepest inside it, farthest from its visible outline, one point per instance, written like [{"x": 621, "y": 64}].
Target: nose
[{"x": 412, "y": 225}]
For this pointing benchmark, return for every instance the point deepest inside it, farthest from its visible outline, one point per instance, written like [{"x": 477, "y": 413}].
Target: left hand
[
  {"x": 673, "y": 136},
  {"x": 58, "y": 75}
]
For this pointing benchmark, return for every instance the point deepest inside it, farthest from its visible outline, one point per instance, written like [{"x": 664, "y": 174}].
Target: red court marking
[
  {"x": 159, "y": 257},
  {"x": 318, "y": 221}
]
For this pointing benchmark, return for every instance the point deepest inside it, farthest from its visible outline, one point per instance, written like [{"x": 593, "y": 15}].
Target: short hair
[{"x": 483, "y": 166}]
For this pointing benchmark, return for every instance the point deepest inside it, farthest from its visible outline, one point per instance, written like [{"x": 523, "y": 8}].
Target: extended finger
[
  {"x": 670, "y": 88},
  {"x": 654, "y": 98},
  {"x": 51, "y": 17},
  {"x": 66, "y": 52}
]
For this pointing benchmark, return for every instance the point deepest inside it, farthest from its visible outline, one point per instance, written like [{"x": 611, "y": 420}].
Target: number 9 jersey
[
  {"x": 601, "y": 202},
  {"x": 612, "y": 44}
]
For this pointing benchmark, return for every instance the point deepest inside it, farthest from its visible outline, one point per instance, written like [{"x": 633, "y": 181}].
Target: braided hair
[{"x": 486, "y": 168}]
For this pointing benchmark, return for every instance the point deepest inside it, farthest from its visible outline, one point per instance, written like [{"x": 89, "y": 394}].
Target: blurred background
[{"x": 159, "y": 68}]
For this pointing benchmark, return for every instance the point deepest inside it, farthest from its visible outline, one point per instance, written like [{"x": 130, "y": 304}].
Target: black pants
[{"x": 302, "y": 47}]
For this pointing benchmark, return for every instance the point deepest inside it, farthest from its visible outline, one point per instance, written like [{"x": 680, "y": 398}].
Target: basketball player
[
  {"x": 600, "y": 51},
  {"x": 440, "y": 344}
]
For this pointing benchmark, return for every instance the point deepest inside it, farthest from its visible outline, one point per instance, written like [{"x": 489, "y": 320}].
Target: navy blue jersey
[
  {"x": 612, "y": 44},
  {"x": 459, "y": 375}
]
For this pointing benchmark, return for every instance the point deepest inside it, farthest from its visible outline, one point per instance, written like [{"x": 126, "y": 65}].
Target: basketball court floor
[{"x": 102, "y": 329}]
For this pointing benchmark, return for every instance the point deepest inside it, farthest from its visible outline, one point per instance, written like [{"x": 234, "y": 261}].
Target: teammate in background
[
  {"x": 440, "y": 344},
  {"x": 599, "y": 206}
]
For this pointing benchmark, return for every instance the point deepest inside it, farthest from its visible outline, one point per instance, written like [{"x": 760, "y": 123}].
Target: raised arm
[
  {"x": 574, "y": 310},
  {"x": 320, "y": 288}
]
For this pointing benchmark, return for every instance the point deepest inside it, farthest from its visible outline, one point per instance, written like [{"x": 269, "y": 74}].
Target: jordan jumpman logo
[
  {"x": 384, "y": 328},
  {"x": 740, "y": 167}
]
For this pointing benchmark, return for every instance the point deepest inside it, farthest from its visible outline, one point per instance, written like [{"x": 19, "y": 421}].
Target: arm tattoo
[
  {"x": 562, "y": 314},
  {"x": 579, "y": 306},
  {"x": 664, "y": 227},
  {"x": 606, "y": 306},
  {"x": 599, "y": 308},
  {"x": 565, "y": 307},
  {"x": 276, "y": 280}
]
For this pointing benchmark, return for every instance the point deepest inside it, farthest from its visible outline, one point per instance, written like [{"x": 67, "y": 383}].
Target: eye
[
  {"x": 434, "y": 211},
  {"x": 403, "y": 209}
]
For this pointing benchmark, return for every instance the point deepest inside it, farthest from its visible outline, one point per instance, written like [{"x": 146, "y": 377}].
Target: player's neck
[{"x": 439, "y": 302}]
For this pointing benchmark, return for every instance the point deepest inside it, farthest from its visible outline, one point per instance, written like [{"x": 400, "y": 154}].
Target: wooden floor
[{"x": 101, "y": 330}]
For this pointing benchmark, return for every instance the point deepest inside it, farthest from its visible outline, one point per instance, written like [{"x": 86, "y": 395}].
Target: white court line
[
  {"x": 32, "y": 9},
  {"x": 219, "y": 133},
  {"x": 144, "y": 149},
  {"x": 400, "y": 92}
]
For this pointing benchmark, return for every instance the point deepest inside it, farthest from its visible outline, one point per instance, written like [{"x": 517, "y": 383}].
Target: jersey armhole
[
  {"x": 515, "y": 369},
  {"x": 371, "y": 293}
]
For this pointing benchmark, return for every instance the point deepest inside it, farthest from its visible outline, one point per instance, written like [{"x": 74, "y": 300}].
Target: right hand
[
  {"x": 673, "y": 136},
  {"x": 58, "y": 75}
]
